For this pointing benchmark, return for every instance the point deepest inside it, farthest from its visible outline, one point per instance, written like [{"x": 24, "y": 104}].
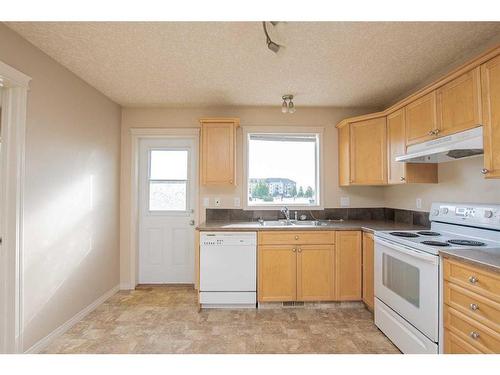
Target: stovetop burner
[
  {"x": 404, "y": 234},
  {"x": 466, "y": 242},
  {"x": 435, "y": 243},
  {"x": 428, "y": 233}
]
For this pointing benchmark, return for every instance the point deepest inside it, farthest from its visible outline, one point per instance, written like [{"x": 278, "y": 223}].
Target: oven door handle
[{"x": 409, "y": 251}]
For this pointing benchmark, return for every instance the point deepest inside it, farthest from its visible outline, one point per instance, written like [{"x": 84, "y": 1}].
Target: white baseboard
[
  {"x": 43, "y": 343},
  {"x": 125, "y": 286}
]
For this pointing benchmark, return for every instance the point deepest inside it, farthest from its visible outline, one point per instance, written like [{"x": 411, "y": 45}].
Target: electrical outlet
[
  {"x": 206, "y": 202},
  {"x": 217, "y": 202},
  {"x": 237, "y": 201},
  {"x": 345, "y": 202},
  {"x": 418, "y": 202}
]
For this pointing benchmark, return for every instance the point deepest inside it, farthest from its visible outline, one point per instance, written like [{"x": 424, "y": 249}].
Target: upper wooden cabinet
[
  {"x": 363, "y": 153},
  {"x": 398, "y": 172},
  {"x": 218, "y": 139},
  {"x": 490, "y": 78},
  {"x": 459, "y": 104},
  {"x": 421, "y": 119}
]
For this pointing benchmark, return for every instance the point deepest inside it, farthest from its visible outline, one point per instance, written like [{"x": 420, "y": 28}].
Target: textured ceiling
[{"x": 228, "y": 63}]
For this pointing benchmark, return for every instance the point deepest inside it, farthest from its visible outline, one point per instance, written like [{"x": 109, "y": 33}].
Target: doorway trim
[
  {"x": 136, "y": 135},
  {"x": 15, "y": 86}
]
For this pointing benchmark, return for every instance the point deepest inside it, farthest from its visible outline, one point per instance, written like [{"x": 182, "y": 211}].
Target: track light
[
  {"x": 275, "y": 47},
  {"x": 287, "y": 106}
]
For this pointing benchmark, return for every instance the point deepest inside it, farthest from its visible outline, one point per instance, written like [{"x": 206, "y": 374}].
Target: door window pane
[
  {"x": 169, "y": 165},
  {"x": 167, "y": 195},
  {"x": 402, "y": 278}
]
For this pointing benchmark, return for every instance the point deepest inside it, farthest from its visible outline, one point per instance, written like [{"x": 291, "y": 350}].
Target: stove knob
[
  {"x": 488, "y": 214},
  {"x": 435, "y": 212}
]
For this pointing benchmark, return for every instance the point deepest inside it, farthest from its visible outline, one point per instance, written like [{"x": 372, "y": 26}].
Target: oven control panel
[{"x": 473, "y": 214}]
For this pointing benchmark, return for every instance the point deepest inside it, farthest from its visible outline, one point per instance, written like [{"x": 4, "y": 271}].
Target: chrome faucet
[{"x": 285, "y": 211}]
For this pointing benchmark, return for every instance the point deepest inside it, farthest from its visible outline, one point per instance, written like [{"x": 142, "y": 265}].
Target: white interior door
[{"x": 167, "y": 203}]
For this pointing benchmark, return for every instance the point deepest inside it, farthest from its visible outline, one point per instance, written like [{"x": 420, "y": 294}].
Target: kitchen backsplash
[{"x": 378, "y": 213}]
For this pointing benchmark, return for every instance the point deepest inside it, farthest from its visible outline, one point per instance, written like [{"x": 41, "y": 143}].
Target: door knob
[
  {"x": 484, "y": 171},
  {"x": 402, "y": 178},
  {"x": 191, "y": 222}
]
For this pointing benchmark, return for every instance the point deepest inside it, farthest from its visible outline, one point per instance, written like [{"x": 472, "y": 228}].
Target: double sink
[{"x": 292, "y": 223}]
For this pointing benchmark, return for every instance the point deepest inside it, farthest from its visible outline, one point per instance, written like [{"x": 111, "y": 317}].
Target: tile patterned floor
[{"x": 166, "y": 320}]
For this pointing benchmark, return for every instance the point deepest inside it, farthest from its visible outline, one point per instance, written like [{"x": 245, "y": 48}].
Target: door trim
[
  {"x": 14, "y": 102},
  {"x": 147, "y": 133}
]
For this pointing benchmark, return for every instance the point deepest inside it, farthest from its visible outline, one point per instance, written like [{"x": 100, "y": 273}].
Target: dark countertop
[
  {"x": 364, "y": 225},
  {"x": 486, "y": 258}
]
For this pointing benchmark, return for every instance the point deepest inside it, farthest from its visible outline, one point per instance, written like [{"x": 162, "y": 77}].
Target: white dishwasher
[{"x": 228, "y": 269}]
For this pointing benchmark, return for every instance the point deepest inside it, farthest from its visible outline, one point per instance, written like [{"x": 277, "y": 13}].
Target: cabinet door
[
  {"x": 277, "y": 273},
  {"x": 344, "y": 167},
  {"x": 217, "y": 155},
  {"x": 315, "y": 266},
  {"x": 398, "y": 172},
  {"x": 368, "y": 152},
  {"x": 368, "y": 270},
  {"x": 459, "y": 104},
  {"x": 421, "y": 119},
  {"x": 396, "y": 147},
  {"x": 348, "y": 265},
  {"x": 490, "y": 76}
]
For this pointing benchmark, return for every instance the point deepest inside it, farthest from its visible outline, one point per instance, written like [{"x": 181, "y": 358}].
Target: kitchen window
[{"x": 283, "y": 169}]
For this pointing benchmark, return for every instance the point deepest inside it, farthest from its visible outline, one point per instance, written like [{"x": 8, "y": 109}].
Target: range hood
[{"x": 452, "y": 147}]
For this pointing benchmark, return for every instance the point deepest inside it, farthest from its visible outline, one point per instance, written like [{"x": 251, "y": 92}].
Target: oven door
[{"x": 407, "y": 280}]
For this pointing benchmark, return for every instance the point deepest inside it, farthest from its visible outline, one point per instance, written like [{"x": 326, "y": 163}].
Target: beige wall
[
  {"x": 249, "y": 116},
  {"x": 459, "y": 181},
  {"x": 71, "y": 254}
]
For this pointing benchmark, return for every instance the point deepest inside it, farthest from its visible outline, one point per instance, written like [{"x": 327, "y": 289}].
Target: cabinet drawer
[
  {"x": 473, "y": 278},
  {"x": 473, "y": 305},
  {"x": 296, "y": 237},
  {"x": 471, "y": 331},
  {"x": 455, "y": 345}
]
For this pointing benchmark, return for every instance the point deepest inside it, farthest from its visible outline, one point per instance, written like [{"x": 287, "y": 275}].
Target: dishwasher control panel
[{"x": 228, "y": 239}]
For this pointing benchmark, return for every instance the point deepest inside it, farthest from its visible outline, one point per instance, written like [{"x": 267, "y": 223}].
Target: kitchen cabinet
[
  {"x": 277, "y": 273},
  {"x": 217, "y": 156},
  {"x": 403, "y": 173},
  {"x": 471, "y": 308},
  {"x": 363, "y": 152},
  {"x": 315, "y": 272},
  {"x": 368, "y": 270},
  {"x": 348, "y": 256},
  {"x": 490, "y": 79},
  {"x": 296, "y": 266},
  {"x": 421, "y": 119},
  {"x": 459, "y": 104}
]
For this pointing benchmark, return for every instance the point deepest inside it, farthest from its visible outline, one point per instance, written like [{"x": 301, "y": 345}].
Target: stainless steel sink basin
[
  {"x": 276, "y": 223},
  {"x": 293, "y": 223}
]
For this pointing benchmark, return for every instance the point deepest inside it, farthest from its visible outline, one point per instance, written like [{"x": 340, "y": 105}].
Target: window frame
[
  {"x": 187, "y": 181},
  {"x": 287, "y": 131}
]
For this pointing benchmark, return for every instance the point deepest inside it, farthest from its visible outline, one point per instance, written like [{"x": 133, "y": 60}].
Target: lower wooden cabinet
[
  {"x": 309, "y": 269},
  {"x": 277, "y": 273},
  {"x": 348, "y": 265},
  {"x": 471, "y": 308},
  {"x": 368, "y": 270},
  {"x": 315, "y": 273}
]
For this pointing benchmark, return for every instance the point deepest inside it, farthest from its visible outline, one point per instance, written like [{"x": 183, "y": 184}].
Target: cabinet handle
[
  {"x": 474, "y": 307},
  {"x": 473, "y": 279},
  {"x": 300, "y": 250},
  {"x": 475, "y": 335},
  {"x": 296, "y": 237},
  {"x": 294, "y": 249},
  {"x": 436, "y": 131},
  {"x": 484, "y": 171}
]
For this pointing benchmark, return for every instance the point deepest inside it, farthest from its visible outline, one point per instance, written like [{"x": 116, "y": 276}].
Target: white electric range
[{"x": 407, "y": 271}]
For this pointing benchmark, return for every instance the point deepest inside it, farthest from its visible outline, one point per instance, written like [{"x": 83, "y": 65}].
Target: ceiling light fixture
[
  {"x": 275, "y": 47},
  {"x": 287, "y": 106}
]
